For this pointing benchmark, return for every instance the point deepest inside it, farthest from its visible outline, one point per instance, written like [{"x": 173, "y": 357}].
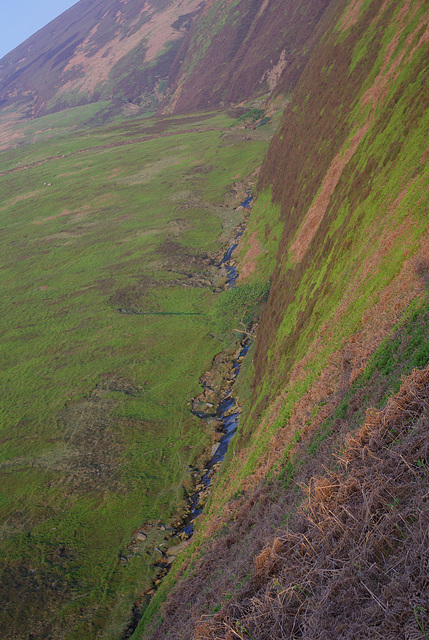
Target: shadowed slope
[{"x": 241, "y": 49}]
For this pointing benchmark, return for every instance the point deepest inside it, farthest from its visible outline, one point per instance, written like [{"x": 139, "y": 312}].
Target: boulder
[{"x": 178, "y": 548}]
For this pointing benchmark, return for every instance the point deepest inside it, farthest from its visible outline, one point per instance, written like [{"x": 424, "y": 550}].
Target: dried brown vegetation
[
  {"x": 318, "y": 209},
  {"x": 325, "y": 172},
  {"x": 355, "y": 562},
  {"x": 97, "y": 52},
  {"x": 249, "y": 261}
]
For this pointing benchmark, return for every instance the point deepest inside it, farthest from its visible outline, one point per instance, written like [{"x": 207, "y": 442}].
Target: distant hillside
[
  {"x": 132, "y": 56},
  {"x": 95, "y": 51},
  {"x": 242, "y": 49}
]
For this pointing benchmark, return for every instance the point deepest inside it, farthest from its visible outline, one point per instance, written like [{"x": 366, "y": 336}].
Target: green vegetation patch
[
  {"x": 239, "y": 307},
  {"x": 252, "y": 115},
  {"x": 106, "y": 325},
  {"x": 371, "y": 231}
]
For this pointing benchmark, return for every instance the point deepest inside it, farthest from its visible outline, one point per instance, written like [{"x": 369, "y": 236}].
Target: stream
[
  {"x": 227, "y": 416},
  {"x": 227, "y": 411},
  {"x": 231, "y": 272}
]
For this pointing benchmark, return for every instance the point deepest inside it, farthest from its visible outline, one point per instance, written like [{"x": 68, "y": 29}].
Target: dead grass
[
  {"x": 83, "y": 211},
  {"x": 351, "y": 14},
  {"x": 388, "y": 74},
  {"x": 13, "y": 201},
  {"x": 10, "y": 133},
  {"x": 372, "y": 97},
  {"x": 80, "y": 213},
  {"x": 264, "y": 5},
  {"x": 348, "y": 362},
  {"x": 248, "y": 265},
  {"x": 355, "y": 562},
  {"x": 95, "y": 66}
]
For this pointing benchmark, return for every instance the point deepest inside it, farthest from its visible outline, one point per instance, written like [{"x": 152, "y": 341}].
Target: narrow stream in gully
[
  {"x": 227, "y": 413},
  {"x": 227, "y": 416}
]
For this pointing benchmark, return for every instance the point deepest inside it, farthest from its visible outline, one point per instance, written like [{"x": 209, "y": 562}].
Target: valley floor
[{"x": 110, "y": 287}]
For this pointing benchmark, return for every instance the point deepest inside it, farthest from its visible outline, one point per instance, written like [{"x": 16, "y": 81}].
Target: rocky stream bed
[{"x": 217, "y": 406}]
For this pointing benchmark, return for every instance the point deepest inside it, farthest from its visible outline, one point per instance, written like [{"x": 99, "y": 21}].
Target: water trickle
[
  {"x": 227, "y": 414},
  {"x": 231, "y": 272}
]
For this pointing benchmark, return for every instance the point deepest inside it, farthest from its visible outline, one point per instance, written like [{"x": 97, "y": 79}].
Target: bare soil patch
[
  {"x": 94, "y": 64},
  {"x": 350, "y": 16},
  {"x": 272, "y": 76}
]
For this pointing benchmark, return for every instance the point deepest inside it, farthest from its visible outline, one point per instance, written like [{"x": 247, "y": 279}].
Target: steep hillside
[
  {"x": 120, "y": 336},
  {"x": 340, "y": 227},
  {"x": 241, "y": 49},
  {"x": 353, "y": 562},
  {"x": 126, "y": 58},
  {"x": 348, "y": 172}
]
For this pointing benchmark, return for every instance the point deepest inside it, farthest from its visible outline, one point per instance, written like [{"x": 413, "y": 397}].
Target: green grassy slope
[
  {"x": 347, "y": 208},
  {"x": 340, "y": 226},
  {"x": 107, "y": 291},
  {"x": 358, "y": 228}
]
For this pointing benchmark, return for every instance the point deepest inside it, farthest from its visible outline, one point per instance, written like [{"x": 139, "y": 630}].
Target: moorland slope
[
  {"x": 315, "y": 525},
  {"x": 121, "y": 59},
  {"x": 340, "y": 229},
  {"x": 94, "y": 52}
]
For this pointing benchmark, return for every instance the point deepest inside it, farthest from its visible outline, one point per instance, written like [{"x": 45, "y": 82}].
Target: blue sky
[{"x": 19, "y": 19}]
